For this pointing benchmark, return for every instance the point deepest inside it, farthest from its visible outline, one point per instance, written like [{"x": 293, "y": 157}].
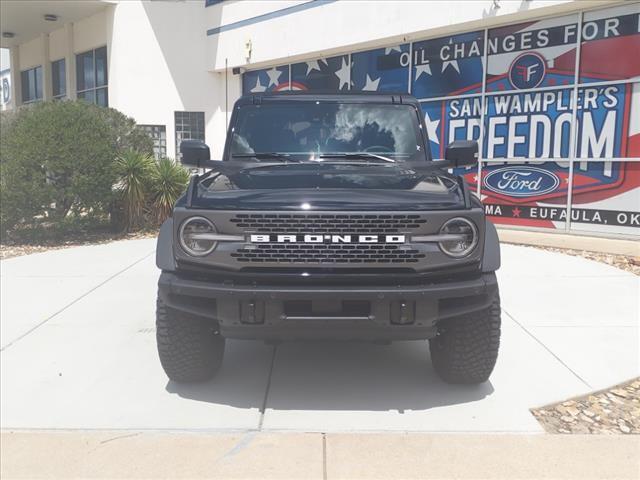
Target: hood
[{"x": 331, "y": 186}]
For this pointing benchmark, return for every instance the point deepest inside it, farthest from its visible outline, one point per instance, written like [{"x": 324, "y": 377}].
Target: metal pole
[
  {"x": 573, "y": 144},
  {"x": 226, "y": 93},
  {"x": 483, "y": 106},
  {"x": 410, "y": 77}
]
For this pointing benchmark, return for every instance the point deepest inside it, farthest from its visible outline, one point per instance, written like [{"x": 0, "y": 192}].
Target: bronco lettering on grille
[{"x": 326, "y": 238}]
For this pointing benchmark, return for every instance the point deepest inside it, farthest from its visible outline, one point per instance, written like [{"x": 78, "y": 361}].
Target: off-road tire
[
  {"x": 190, "y": 348},
  {"x": 466, "y": 348}
]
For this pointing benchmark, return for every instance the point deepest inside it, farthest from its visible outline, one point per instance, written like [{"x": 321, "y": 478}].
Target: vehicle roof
[{"x": 354, "y": 97}]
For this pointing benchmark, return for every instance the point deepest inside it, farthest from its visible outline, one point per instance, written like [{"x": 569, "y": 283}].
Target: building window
[
  {"x": 189, "y": 125},
  {"x": 91, "y": 76},
  {"x": 31, "y": 85},
  {"x": 158, "y": 134},
  {"x": 58, "y": 79}
]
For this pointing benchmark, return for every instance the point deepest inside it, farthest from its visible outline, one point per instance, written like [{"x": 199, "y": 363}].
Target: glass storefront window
[{"x": 91, "y": 76}]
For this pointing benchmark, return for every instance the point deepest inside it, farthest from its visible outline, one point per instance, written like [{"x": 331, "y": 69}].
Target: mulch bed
[
  {"x": 9, "y": 250},
  {"x": 612, "y": 411}
]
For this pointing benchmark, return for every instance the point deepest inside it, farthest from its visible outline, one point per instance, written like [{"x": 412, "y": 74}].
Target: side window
[
  {"x": 158, "y": 134},
  {"x": 91, "y": 76},
  {"x": 188, "y": 126},
  {"x": 58, "y": 78},
  {"x": 31, "y": 84}
]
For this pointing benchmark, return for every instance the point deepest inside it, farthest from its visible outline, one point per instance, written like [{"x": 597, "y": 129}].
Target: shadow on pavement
[{"x": 331, "y": 376}]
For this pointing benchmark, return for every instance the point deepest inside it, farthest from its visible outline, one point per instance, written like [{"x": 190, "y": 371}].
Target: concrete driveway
[{"x": 78, "y": 352}]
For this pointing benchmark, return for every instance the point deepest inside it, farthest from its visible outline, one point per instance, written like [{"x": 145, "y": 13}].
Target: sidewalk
[
  {"x": 254, "y": 455},
  {"x": 575, "y": 242}
]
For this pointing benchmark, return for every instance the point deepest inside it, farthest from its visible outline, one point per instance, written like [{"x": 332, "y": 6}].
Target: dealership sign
[
  {"x": 521, "y": 181},
  {"x": 515, "y": 85}
]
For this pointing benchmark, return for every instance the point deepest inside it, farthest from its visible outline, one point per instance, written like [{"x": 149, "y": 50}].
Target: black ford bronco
[{"x": 327, "y": 218}]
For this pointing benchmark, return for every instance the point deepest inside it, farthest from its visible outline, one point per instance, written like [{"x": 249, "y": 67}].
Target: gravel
[{"x": 612, "y": 411}]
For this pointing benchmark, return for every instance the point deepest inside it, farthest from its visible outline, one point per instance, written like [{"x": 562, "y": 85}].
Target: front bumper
[{"x": 407, "y": 312}]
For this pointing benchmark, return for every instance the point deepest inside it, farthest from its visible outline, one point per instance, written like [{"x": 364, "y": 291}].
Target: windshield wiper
[
  {"x": 265, "y": 156},
  {"x": 357, "y": 156}
]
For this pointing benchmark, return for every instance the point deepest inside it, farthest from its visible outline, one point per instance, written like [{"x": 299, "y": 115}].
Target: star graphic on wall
[
  {"x": 432, "y": 127},
  {"x": 515, "y": 212},
  {"x": 312, "y": 65},
  {"x": 420, "y": 69},
  {"x": 475, "y": 178},
  {"x": 388, "y": 50},
  {"x": 259, "y": 87},
  {"x": 453, "y": 63},
  {"x": 343, "y": 74},
  {"x": 371, "y": 85},
  {"x": 274, "y": 76}
]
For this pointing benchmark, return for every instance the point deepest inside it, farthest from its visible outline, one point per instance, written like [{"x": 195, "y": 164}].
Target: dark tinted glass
[
  {"x": 101, "y": 67},
  {"x": 24, "y": 79},
  {"x": 38, "y": 82},
  {"x": 310, "y": 127},
  {"x": 31, "y": 81},
  {"x": 88, "y": 96},
  {"x": 59, "y": 81},
  {"x": 101, "y": 97},
  {"x": 85, "y": 71}
]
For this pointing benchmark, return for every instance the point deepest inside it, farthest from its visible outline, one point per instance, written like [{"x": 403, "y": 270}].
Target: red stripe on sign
[{"x": 613, "y": 57}]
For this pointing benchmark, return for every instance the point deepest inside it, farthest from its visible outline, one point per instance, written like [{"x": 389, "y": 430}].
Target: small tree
[
  {"x": 133, "y": 170},
  {"x": 168, "y": 181}
]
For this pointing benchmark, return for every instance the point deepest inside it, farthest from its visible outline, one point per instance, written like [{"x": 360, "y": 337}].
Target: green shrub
[
  {"x": 168, "y": 181},
  {"x": 59, "y": 157}
]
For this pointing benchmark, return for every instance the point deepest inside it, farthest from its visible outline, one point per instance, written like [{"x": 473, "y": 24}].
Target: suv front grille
[
  {"x": 327, "y": 253},
  {"x": 327, "y": 223}
]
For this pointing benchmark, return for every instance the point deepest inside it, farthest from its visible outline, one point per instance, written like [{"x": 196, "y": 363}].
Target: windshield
[{"x": 304, "y": 128}]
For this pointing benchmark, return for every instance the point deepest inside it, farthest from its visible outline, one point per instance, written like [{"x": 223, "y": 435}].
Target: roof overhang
[{"x": 25, "y": 18}]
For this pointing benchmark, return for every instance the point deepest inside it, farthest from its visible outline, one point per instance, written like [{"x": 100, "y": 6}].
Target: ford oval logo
[{"x": 521, "y": 181}]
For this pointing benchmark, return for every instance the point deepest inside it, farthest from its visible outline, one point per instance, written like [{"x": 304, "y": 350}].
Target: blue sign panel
[
  {"x": 322, "y": 74},
  {"x": 448, "y": 66},
  {"x": 267, "y": 80},
  {"x": 381, "y": 70}
]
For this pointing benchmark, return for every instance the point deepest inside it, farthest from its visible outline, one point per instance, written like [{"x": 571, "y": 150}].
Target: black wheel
[
  {"x": 466, "y": 348},
  {"x": 190, "y": 348}
]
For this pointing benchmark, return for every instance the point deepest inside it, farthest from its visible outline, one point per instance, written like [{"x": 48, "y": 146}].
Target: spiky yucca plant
[
  {"x": 168, "y": 181},
  {"x": 133, "y": 171}
]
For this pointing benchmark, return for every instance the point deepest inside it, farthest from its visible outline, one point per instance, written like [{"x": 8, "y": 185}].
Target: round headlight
[
  {"x": 460, "y": 237},
  {"x": 194, "y": 234}
]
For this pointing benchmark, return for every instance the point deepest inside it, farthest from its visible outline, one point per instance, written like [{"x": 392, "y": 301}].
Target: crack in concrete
[
  {"x": 35, "y": 327},
  {"x": 324, "y": 456},
  {"x": 263, "y": 408},
  {"x": 547, "y": 349}
]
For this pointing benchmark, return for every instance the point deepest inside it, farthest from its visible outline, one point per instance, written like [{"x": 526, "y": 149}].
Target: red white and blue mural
[{"x": 547, "y": 143}]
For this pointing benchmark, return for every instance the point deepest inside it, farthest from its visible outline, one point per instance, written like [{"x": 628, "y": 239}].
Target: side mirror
[
  {"x": 462, "y": 153},
  {"x": 195, "y": 153}
]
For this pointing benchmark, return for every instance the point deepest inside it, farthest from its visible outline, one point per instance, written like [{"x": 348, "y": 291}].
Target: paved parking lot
[{"x": 78, "y": 352}]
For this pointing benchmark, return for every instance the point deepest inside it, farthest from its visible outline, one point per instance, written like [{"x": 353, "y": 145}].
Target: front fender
[
  {"x": 491, "y": 255},
  {"x": 165, "y": 260}
]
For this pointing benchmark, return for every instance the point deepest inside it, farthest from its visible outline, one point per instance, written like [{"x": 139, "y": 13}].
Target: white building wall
[
  {"x": 57, "y": 44},
  {"x": 90, "y": 33},
  {"x": 157, "y": 66},
  {"x": 30, "y": 54},
  {"x": 342, "y": 26}
]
